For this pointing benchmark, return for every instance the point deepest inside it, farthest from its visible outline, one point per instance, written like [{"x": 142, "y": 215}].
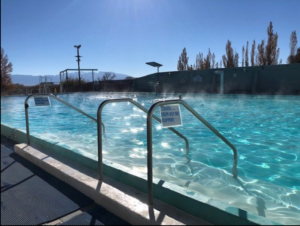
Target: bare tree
[
  {"x": 271, "y": 52},
  {"x": 297, "y": 60},
  {"x": 261, "y": 53},
  {"x": 213, "y": 60},
  {"x": 217, "y": 65},
  {"x": 190, "y": 68},
  {"x": 228, "y": 60},
  {"x": 236, "y": 60},
  {"x": 253, "y": 54},
  {"x": 107, "y": 76},
  {"x": 199, "y": 61},
  {"x": 293, "y": 48},
  {"x": 256, "y": 59},
  {"x": 225, "y": 61},
  {"x": 246, "y": 55},
  {"x": 179, "y": 64},
  {"x": 207, "y": 62},
  {"x": 276, "y": 56},
  {"x": 293, "y": 43},
  {"x": 243, "y": 54},
  {"x": 6, "y": 69},
  {"x": 266, "y": 55},
  {"x": 183, "y": 62},
  {"x": 231, "y": 57},
  {"x": 185, "y": 59}
]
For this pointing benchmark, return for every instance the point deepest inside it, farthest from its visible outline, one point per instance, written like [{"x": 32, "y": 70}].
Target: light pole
[
  {"x": 156, "y": 85},
  {"x": 78, "y": 60},
  {"x": 154, "y": 64}
]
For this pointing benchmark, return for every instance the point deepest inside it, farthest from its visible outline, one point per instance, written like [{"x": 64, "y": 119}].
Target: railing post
[
  {"x": 99, "y": 132},
  {"x": 149, "y": 157},
  {"x": 27, "y": 119},
  {"x": 99, "y": 139}
]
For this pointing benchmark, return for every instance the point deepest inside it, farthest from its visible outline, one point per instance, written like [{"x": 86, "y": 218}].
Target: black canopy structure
[{"x": 154, "y": 64}]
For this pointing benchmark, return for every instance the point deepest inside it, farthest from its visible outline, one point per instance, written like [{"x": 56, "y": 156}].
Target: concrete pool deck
[
  {"x": 119, "y": 199},
  {"x": 31, "y": 196}
]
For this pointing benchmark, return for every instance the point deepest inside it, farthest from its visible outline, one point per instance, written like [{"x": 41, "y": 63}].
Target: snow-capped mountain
[{"x": 29, "y": 80}]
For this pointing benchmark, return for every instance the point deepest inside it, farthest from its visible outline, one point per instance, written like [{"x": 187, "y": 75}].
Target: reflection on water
[{"x": 264, "y": 129}]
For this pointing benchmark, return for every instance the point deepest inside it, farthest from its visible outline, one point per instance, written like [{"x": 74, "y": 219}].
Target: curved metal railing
[
  {"x": 99, "y": 118},
  {"x": 60, "y": 100},
  {"x": 149, "y": 131},
  {"x": 149, "y": 140}
]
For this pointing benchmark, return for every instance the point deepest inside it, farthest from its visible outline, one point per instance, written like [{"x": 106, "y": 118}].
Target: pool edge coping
[{"x": 123, "y": 201}]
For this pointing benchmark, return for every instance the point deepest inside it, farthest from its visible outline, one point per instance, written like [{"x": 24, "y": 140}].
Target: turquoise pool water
[{"x": 264, "y": 129}]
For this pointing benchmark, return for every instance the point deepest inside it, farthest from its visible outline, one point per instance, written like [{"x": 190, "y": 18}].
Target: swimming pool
[{"x": 264, "y": 129}]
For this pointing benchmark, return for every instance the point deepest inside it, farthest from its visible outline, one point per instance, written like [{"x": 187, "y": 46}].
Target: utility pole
[{"x": 78, "y": 60}]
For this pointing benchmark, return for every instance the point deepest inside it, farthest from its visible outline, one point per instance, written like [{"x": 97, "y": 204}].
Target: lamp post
[
  {"x": 154, "y": 64},
  {"x": 156, "y": 84},
  {"x": 78, "y": 60}
]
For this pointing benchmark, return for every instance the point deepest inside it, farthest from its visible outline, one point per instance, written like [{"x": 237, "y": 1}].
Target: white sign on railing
[
  {"x": 41, "y": 101},
  {"x": 170, "y": 115}
]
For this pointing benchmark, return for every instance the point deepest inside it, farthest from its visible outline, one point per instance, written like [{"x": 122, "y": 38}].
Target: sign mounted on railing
[
  {"x": 41, "y": 101},
  {"x": 170, "y": 115}
]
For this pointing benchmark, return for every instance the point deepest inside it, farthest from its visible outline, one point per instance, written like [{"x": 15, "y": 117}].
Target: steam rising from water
[{"x": 264, "y": 129}]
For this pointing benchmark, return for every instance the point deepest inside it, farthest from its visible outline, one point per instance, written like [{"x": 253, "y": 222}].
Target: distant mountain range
[{"x": 30, "y": 80}]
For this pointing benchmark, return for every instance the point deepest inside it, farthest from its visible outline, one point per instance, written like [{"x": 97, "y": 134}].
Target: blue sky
[{"x": 122, "y": 35}]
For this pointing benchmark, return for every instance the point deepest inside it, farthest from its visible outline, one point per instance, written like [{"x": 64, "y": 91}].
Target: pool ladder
[
  {"x": 60, "y": 100},
  {"x": 150, "y": 115},
  {"x": 99, "y": 118}
]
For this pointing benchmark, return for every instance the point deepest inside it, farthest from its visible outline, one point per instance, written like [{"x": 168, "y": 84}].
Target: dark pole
[{"x": 78, "y": 60}]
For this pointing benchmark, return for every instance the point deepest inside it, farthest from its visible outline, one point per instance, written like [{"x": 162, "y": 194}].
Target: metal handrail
[
  {"x": 60, "y": 100},
  {"x": 99, "y": 118},
  {"x": 149, "y": 140}
]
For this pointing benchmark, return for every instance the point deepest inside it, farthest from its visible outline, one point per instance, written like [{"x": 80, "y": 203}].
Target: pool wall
[
  {"x": 207, "y": 208},
  {"x": 272, "y": 79}
]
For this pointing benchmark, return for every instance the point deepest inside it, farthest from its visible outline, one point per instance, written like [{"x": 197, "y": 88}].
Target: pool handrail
[
  {"x": 149, "y": 140},
  {"x": 99, "y": 118},
  {"x": 58, "y": 99}
]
